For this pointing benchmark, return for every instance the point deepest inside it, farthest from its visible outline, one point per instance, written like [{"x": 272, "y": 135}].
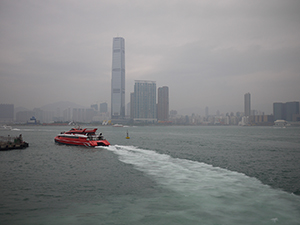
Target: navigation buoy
[{"x": 127, "y": 137}]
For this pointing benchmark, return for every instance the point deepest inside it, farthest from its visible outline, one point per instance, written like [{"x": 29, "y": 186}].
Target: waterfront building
[
  {"x": 78, "y": 115},
  {"x": 285, "y": 111},
  {"x": 132, "y": 100},
  {"x": 128, "y": 110},
  {"x": 261, "y": 120},
  {"x": 118, "y": 79},
  {"x": 292, "y": 108},
  {"x": 247, "y": 104},
  {"x": 279, "y": 111},
  {"x": 163, "y": 104},
  {"x": 67, "y": 114},
  {"x": 145, "y": 101}
]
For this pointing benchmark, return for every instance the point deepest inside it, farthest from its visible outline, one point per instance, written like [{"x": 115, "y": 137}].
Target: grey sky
[{"x": 209, "y": 53}]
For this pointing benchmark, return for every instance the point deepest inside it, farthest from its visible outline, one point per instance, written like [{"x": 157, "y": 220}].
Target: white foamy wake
[{"x": 214, "y": 189}]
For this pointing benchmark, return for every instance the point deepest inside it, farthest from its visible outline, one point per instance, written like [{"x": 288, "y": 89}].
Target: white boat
[
  {"x": 280, "y": 123},
  {"x": 4, "y": 127},
  {"x": 117, "y": 125}
]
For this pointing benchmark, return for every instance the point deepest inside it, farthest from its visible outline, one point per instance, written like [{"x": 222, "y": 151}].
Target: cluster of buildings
[
  {"x": 148, "y": 105},
  {"x": 288, "y": 111},
  {"x": 143, "y": 107},
  {"x": 83, "y": 115}
]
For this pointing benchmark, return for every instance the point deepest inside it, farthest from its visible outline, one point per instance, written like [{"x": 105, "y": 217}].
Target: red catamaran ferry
[{"x": 85, "y": 137}]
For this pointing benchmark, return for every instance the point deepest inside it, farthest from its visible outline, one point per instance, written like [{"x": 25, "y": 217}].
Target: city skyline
[
  {"x": 211, "y": 54},
  {"x": 142, "y": 111}
]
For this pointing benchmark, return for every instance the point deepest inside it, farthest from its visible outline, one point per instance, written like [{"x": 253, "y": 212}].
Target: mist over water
[{"x": 161, "y": 175}]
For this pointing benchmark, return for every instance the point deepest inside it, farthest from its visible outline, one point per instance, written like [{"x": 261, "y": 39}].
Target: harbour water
[{"x": 161, "y": 175}]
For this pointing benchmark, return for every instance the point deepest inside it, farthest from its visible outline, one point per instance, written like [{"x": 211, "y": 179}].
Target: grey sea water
[{"x": 161, "y": 175}]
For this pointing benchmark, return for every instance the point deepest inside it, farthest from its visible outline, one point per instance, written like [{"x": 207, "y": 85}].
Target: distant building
[
  {"x": 145, "y": 101},
  {"x": 118, "y": 79},
  {"x": 286, "y": 111},
  {"x": 261, "y": 120},
  {"x": 292, "y": 108},
  {"x": 128, "y": 109},
  {"x": 89, "y": 114},
  {"x": 206, "y": 111},
  {"x": 103, "y": 107},
  {"x": 247, "y": 104},
  {"x": 78, "y": 115},
  {"x": 163, "y": 104},
  {"x": 6, "y": 112},
  {"x": 132, "y": 105},
  {"x": 67, "y": 115},
  {"x": 95, "y": 107},
  {"x": 279, "y": 111}
]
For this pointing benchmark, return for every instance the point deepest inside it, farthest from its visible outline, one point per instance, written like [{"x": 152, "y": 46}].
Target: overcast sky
[{"x": 209, "y": 53}]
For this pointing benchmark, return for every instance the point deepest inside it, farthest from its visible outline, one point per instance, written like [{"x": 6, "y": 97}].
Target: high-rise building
[
  {"x": 118, "y": 79},
  {"x": 247, "y": 104},
  {"x": 67, "y": 115},
  {"x": 292, "y": 108},
  {"x": 279, "y": 111},
  {"x": 163, "y": 104},
  {"x": 145, "y": 101},
  {"x": 78, "y": 115},
  {"x": 132, "y": 106},
  {"x": 285, "y": 111}
]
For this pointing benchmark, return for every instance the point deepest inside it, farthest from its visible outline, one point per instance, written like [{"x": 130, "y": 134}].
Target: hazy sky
[{"x": 209, "y": 53}]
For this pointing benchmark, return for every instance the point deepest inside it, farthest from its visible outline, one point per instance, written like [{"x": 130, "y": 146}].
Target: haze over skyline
[{"x": 207, "y": 53}]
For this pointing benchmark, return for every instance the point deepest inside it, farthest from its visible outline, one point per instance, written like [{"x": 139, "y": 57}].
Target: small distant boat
[
  {"x": 117, "y": 125},
  {"x": 11, "y": 143},
  {"x": 82, "y": 137},
  {"x": 6, "y": 127}
]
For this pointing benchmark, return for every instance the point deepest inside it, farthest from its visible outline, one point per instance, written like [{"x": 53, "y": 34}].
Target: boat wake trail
[{"x": 213, "y": 189}]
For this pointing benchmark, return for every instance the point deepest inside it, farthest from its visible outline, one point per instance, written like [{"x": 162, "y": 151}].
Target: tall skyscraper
[
  {"x": 118, "y": 79},
  {"x": 163, "y": 104},
  {"x": 279, "y": 111},
  {"x": 144, "y": 100},
  {"x": 247, "y": 104},
  {"x": 292, "y": 108}
]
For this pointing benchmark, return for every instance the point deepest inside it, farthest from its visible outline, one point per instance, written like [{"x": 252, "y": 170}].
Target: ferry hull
[{"x": 65, "y": 141}]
